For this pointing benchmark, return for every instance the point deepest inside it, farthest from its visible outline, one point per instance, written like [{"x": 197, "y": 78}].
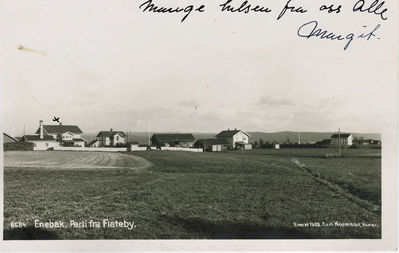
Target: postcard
[{"x": 199, "y": 125}]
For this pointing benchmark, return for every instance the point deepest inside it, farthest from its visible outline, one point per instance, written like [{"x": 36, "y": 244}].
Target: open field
[
  {"x": 59, "y": 160},
  {"x": 256, "y": 194}
]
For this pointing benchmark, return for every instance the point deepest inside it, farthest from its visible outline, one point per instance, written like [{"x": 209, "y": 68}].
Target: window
[{"x": 117, "y": 138}]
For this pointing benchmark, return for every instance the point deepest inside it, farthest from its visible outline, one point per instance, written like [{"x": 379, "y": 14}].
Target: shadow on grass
[
  {"x": 231, "y": 230},
  {"x": 29, "y": 233}
]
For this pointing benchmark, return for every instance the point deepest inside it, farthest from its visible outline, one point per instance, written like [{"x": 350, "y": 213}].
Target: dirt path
[
  {"x": 366, "y": 205},
  {"x": 66, "y": 160}
]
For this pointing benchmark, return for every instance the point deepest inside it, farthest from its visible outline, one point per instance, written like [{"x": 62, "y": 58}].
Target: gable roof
[
  {"x": 78, "y": 139},
  {"x": 230, "y": 133},
  {"x": 8, "y": 138},
  {"x": 60, "y": 129},
  {"x": 37, "y": 138},
  {"x": 110, "y": 133},
  {"x": 342, "y": 135},
  {"x": 92, "y": 142},
  {"x": 173, "y": 137},
  {"x": 221, "y": 141}
]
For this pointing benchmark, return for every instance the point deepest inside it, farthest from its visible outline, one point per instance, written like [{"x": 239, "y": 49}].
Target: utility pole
[
  {"x": 299, "y": 138},
  {"x": 339, "y": 142}
]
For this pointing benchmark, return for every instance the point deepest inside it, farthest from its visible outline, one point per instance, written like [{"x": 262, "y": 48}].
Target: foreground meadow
[{"x": 258, "y": 194}]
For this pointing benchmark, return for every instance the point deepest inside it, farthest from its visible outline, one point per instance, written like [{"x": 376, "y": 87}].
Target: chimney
[
  {"x": 41, "y": 129},
  {"x": 110, "y": 130}
]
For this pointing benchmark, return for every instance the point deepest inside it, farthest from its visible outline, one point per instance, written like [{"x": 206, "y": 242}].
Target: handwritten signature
[{"x": 310, "y": 30}]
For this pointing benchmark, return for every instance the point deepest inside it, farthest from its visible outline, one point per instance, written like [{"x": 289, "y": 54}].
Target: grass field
[{"x": 256, "y": 194}]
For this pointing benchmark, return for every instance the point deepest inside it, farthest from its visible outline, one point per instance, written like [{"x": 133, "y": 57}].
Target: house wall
[
  {"x": 67, "y": 136},
  {"x": 248, "y": 146},
  {"x": 44, "y": 145},
  {"x": 79, "y": 143},
  {"x": 104, "y": 141},
  {"x": 240, "y": 136},
  {"x": 118, "y": 139},
  {"x": 343, "y": 141}
]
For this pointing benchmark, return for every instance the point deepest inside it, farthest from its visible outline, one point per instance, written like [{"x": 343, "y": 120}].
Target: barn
[{"x": 173, "y": 140}]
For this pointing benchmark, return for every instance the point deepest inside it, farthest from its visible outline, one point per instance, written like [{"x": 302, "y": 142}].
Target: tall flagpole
[{"x": 339, "y": 142}]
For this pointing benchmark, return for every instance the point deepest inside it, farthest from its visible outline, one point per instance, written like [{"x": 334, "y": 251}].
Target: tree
[
  {"x": 261, "y": 143},
  {"x": 255, "y": 144}
]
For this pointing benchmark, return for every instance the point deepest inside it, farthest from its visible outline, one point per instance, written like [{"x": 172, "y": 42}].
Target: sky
[{"x": 106, "y": 64}]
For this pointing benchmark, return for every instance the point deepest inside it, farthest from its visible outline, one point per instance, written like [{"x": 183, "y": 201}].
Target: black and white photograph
[{"x": 199, "y": 124}]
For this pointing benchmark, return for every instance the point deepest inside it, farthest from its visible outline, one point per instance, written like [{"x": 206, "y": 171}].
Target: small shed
[{"x": 213, "y": 145}]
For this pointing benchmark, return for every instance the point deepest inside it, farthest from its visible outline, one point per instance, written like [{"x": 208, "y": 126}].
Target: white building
[
  {"x": 342, "y": 138},
  {"x": 41, "y": 141},
  {"x": 111, "y": 138},
  {"x": 236, "y": 138},
  {"x": 66, "y": 135}
]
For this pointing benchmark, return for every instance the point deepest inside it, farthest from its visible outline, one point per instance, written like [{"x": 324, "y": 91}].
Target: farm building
[
  {"x": 41, "y": 141},
  {"x": 172, "y": 140},
  {"x": 236, "y": 138},
  {"x": 8, "y": 139},
  {"x": 66, "y": 135},
  {"x": 212, "y": 144},
  {"x": 342, "y": 138},
  {"x": 111, "y": 138}
]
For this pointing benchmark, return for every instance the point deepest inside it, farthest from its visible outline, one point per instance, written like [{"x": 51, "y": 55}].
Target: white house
[
  {"x": 342, "y": 138},
  {"x": 236, "y": 138},
  {"x": 66, "y": 135},
  {"x": 111, "y": 138},
  {"x": 41, "y": 141}
]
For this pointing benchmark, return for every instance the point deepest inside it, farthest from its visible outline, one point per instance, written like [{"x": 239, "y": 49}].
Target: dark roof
[
  {"x": 60, "y": 129},
  {"x": 230, "y": 133},
  {"x": 8, "y": 138},
  {"x": 37, "y": 138},
  {"x": 173, "y": 137},
  {"x": 79, "y": 139},
  {"x": 110, "y": 133},
  {"x": 342, "y": 135},
  {"x": 208, "y": 142},
  {"x": 92, "y": 142}
]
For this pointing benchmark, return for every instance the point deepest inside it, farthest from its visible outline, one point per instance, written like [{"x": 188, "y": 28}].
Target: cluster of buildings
[
  {"x": 52, "y": 136},
  {"x": 226, "y": 139}
]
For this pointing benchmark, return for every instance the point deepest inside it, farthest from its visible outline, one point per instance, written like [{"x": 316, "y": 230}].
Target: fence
[
  {"x": 133, "y": 148},
  {"x": 182, "y": 149},
  {"x": 90, "y": 149}
]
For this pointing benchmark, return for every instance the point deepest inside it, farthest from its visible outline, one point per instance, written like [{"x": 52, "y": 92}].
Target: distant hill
[{"x": 142, "y": 137}]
